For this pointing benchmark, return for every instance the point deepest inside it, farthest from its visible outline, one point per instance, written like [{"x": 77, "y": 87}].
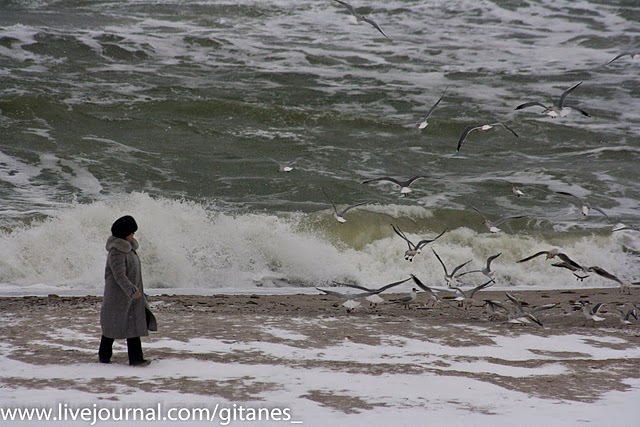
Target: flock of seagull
[{"x": 512, "y": 309}]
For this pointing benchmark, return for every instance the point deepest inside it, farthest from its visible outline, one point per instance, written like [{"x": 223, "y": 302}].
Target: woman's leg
[
  {"x": 106, "y": 350},
  {"x": 134, "y": 348}
]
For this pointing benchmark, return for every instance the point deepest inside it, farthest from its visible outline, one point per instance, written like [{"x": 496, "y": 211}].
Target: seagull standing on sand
[
  {"x": 407, "y": 299},
  {"x": 414, "y": 249},
  {"x": 339, "y": 216},
  {"x": 423, "y": 124},
  {"x": 375, "y": 298},
  {"x": 357, "y": 17},
  {"x": 559, "y": 110},
  {"x": 468, "y": 129},
  {"x": 493, "y": 225},
  {"x": 404, "y": 185}
]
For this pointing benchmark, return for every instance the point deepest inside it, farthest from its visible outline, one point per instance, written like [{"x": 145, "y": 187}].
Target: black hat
[{"x": 124, "y": 226}]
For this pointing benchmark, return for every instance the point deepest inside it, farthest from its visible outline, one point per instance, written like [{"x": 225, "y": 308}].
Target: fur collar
[{"x": 122, "y": 245}]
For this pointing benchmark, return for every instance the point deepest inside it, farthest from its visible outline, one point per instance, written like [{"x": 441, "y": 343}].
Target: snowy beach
[{"x": 304, "y": 357}]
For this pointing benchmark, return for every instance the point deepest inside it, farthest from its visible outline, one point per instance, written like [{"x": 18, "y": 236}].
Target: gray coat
[{"x": 121, "y": 315}]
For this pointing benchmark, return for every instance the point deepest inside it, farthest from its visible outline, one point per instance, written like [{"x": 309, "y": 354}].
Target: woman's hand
[{"x": 137, "y": 295}]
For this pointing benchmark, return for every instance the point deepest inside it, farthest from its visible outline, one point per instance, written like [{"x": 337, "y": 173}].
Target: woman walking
[{"x": 125, "y": 312}]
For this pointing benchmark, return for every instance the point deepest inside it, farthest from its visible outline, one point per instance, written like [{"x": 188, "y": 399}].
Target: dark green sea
[{"x": 174, "y": 112}]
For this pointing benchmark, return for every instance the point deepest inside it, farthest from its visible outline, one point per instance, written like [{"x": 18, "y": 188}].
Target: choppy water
[{"x": 168, "y": 110}]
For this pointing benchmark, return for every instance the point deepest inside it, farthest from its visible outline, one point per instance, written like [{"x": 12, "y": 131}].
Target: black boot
[
  {"x": 134, "y": 348},
  {"x": 106, "y": 350}
]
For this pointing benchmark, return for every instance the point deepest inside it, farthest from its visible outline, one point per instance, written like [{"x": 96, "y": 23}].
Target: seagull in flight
[
  {"x": 625, "y": 286},
  {"x": 468, "y": 129},
  {"x": 486, "y": 270},
  {"x": 493, "y": 225},
  {"x": 414, "y": 249},
  {"x": 433, "y": 296},
  {"x": 423, "y": 124},
  {"x": 585, "y": 206},
  {"x": 450, "y": 279},
  {"x": 625, "y": 316},
  {"x": 591, "y": 312},
  {"x": 520, "y": 316},
  {"x": 375, "y": 298},
  {"x": 339, "y": 216},
  {"x": 357, "y": 17},
  {"x": 631, "y": 54},
  {"x": 550, "y": 254},
  {"x": 465, "y": 298},
  {"x": 404, "y": 185},
  {"x": 559, "y": 110}
]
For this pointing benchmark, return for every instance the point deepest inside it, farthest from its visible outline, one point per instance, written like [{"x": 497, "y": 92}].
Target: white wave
[{"x": 189, "y": 245}]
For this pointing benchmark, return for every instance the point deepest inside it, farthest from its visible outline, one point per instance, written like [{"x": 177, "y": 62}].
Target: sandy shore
[{"x": 65, "y": 331}]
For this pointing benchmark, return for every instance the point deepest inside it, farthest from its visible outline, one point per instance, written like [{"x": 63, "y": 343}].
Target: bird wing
[
  {"x": 529, "y": 258},
  {"x": 596, "y": 308},
  {"x": 421, "y": 285},
  {"x": 595, "y": 208},
  {"x": 497, "y": 304},
  {"x": 580, "y": 110},
  {"x": 491, "y": 258},
  {"x": 436, "y": 104},
  {"x": 626, "y": 228},
  {"x": 459, "y": 267},
  {"x": 391, "y": 285},
  {"x": 533, "y": 318},
  {"x": 333, "y": 293},
  {"x": 383, "y": 178},
  {"x": 569, "y": 261},
  {"x": 422, "y": 243},
  {"x": 618, "y": 57},
  {"x": 349, "y": 7},
  {"x": 567, "y": 92},
  {"x": 478, "y": 210},
  {"x": 467, "y": 129},
  {"x": 531, "y": 104},
  {"x": 506, "y": 127},
  {"x": 347, "y": 209},
  {"x": 334, "y": 206},
  {"x": 515, "y": 301},
  {"x": 478, "y": 288},
  {"x": 404, "y": 237},
  {"x": 565, "y": 265},
  {"x": 349, "y": 285},
  {"x": 414, "y": 178},
  {"x": 504, "y": 219},
  {"x": 376, "y": 26},
  {"x": 543, "y": 307},
  {"x": 604, "y": 273},
  {"x": 441, "y": 263},
  {"x": 467, "y": 272},
  {"x": 566, "y": 193}
]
